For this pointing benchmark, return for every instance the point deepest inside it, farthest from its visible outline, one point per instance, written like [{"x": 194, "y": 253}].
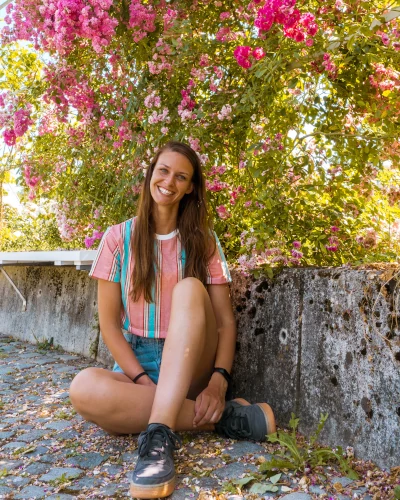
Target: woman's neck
[{"x": 165, "y": 220}]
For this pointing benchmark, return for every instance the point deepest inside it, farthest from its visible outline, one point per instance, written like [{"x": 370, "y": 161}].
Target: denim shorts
[{"x": 148, "y": 352}]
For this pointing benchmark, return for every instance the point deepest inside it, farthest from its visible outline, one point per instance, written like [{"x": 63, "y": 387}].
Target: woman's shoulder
[{"x": 121, "y": 230}]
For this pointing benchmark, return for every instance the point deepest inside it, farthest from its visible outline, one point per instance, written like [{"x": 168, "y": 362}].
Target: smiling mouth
[{"x": 164, "y": 191}]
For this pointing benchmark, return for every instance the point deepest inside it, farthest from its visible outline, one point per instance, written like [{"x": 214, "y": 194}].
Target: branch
[{"x": 4, "y": 4}]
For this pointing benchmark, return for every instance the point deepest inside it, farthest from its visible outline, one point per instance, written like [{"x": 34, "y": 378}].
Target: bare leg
[
  {"x": 116, "y": 404},
  {"x": 113, "y": 402},
  {"x": 189, "y": 351}
]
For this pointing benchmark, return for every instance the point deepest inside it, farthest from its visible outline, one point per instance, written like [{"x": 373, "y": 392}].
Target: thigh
[{"x": 95, "y": 375}]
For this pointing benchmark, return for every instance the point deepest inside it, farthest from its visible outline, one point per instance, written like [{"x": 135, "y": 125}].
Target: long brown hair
[{"x": 193, "y": 223}]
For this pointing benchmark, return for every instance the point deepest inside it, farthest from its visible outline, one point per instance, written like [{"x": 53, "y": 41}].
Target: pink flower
[
  {"x": 102, "y": 123},
  {"x": 223, "y": 212},
  {"x": 258, "y": 53},
  {"x": 9, "y": 137},
  {"x": 296, "y": 254},
  {"x": 334, "y": 229},
  {"x": 224, "y": 15},
  {"x": 297, "y": 244},
  {"x": 97, "y": 235},
  {"x": 309, "y": 42},
  {"x": 142, "y": 19},
  {"x": 242, "y": 54},
  {"x": 204, "y": 60},
  {"x": 89, "y": 241},
  {"x": 22, "y": 121},
  {"x": 333, "y": 240},
  {"x": 385, "y": 39}
]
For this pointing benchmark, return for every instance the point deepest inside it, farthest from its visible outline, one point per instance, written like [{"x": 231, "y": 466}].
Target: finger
[
  {"x": 205, "y": 401},
  {"x": 198, "y": 403},
  {"x": 209, "y": 413},
  {"x": 216, "y": 417}
]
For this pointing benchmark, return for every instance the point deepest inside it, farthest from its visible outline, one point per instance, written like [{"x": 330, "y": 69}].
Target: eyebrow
[{"x": 165, "y": 165}]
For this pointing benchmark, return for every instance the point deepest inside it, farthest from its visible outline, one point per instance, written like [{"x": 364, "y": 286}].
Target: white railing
[{"x": 76, "y": 258}]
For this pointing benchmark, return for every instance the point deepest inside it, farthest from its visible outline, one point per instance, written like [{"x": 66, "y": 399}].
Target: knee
[
  {"x": 82, "y": 387},
  {"x": 188, "y": 287}
]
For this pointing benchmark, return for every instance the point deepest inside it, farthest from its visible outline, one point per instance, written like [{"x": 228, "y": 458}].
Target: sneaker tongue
[{"x": 156, "y": 439}]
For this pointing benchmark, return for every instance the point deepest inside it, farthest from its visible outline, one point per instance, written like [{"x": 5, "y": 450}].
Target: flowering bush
[{"x": 292, "y": 106}]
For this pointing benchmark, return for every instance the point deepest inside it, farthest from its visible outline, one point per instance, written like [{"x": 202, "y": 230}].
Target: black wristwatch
[{"x": 224, "y": 373}]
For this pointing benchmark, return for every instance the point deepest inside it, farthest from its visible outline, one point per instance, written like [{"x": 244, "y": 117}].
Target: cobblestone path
[{"x": 48, "y": 451}]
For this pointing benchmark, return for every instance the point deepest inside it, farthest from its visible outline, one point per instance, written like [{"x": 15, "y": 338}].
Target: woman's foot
[
  {"x": 242, "y": 420},
  {"x": 154, "y": 474}
]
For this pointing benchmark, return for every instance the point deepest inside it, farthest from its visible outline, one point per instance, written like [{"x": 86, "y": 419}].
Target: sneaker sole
[
  {"x": 268, "y": 413},
  {"x": 152, "y": 491}
]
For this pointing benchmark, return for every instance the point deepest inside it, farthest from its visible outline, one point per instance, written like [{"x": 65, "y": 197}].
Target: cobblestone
[{"x": 47, "y": 451}]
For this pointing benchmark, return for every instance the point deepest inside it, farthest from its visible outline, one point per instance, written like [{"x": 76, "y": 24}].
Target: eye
[
  {"x": 181, "y": 177},
  {"x": 163, "y": 170}
]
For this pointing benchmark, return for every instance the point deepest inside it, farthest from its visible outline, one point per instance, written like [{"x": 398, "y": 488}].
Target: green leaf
[
  {"x": 352, "y": 474},
  {"x": 241, "y": 482},
  {"x": 277, "y": 463},
  {"x": 323, "y": 418},
  {"x": 294, "y": 422},
  {"x": 260, "y": 489},
  {"x": 270, "y": 272},
  {"x": 275, "y": 479},
  {"x": 397, "y": 493},
  {"x": 322, "y": 247}
]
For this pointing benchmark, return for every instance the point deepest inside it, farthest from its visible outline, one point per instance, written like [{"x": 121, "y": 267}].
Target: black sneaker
[
  {"x": 154, "y": 474},
  {"x": 241, "y": 420}
]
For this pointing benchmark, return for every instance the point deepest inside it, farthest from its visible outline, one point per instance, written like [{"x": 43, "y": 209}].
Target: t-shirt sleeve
[
  {"x": 107, "y": 264},
  {"x": 217, "y": 270}
]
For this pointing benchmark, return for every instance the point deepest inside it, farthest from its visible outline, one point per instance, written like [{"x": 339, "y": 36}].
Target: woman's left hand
[{"x": 210, "y": 403}]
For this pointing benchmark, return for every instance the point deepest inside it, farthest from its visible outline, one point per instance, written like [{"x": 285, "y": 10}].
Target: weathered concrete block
[
  {"x": 61, "y": 304},
  {"x": 315, "y": 341},
  {"x": 309, "y": 341},
  {"x": 350, "y": 360},
  {"x": 266, "y": 365}
]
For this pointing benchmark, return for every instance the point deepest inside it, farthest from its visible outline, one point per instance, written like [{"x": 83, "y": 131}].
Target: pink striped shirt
[{"x": 114, "y": 262}]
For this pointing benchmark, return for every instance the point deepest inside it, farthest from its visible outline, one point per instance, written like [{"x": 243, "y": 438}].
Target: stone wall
[
  {"x": 61, "y": 305},
  {"x": 325, "y": 341},
  {"x": 310, "y": 341}
]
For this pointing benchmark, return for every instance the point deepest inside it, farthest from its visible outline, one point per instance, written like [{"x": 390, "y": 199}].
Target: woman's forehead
[{"x": 175, "y": 161}]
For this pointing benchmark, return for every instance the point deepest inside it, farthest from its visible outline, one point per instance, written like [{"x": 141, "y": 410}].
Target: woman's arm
[
  {"x": 109, "y": 300},
  {"x": 226, "y": 326},
  {"x": 211, "y": 402}
]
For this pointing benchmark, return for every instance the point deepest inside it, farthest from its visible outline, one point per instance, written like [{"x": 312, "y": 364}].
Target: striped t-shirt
[{"x": 114, "y": 262}]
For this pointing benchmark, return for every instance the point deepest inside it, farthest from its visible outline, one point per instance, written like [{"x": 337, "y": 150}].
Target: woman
[{"x": 163, "y": 279}]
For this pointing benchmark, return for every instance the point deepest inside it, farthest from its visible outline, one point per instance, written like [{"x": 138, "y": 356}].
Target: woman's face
[{"x": 171, "y": 179}]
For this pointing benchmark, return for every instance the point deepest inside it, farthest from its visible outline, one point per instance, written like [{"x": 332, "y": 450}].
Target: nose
[{"x": 170, "y": 180}]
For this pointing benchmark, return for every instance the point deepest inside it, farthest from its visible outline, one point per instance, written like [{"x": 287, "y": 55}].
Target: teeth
[{"x": 164, "y": 191}]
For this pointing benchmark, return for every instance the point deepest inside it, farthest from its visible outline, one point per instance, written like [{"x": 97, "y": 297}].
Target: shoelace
[
  {"x": 153, "y": 440},
  {"x": 239, "y": 423}
]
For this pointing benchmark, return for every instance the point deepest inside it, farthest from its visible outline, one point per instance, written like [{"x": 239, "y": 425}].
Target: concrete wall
[
  {"x": 310, "y": 341},
  {"x": 61, "y": 305},
  {"x": 325, "y": 341}
]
